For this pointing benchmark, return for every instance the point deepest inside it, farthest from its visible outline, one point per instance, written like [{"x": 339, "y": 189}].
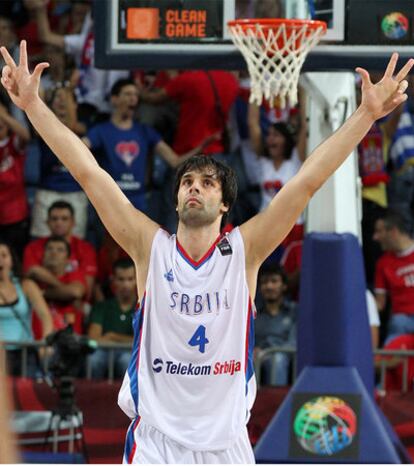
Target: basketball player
[{"x": 190, "y": 384}]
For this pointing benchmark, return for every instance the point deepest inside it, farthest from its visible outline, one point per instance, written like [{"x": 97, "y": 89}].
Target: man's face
[
  {"x": 384, "y": 236},
  {"x": 6, "y": 261},
  {"x": 272, "y": 287},
  {"x": 55, "y": 255},
  {"x": 127, "y": 99},
  {"x": 7, "y": 34},
  {"x": 276, "y": 143},
  {"x": 125, "y": 285},
  {"x": 200, "y": 198},
  {"x": 60, "y": 101},
  {"x": 61, "y": 222}
]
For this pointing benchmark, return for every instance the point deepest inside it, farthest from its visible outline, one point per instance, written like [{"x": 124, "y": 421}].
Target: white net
[{"x": 274, "y": 57}]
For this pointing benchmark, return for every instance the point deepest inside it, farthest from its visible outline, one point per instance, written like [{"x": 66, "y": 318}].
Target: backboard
[{"x": 192, "y": 34}]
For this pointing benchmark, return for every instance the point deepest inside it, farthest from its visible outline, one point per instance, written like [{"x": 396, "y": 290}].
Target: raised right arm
[{"x": 132, "y": 229}]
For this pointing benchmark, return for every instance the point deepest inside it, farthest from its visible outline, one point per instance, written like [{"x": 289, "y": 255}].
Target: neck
[
  {"x": 122, "y": 120},
  {"x": 5, "y": 280},
  {"x": 273, "y": 307},
  {"x": 277, "y": 162},
  {"x": 403, "y": 244},
  {"x": 67, "y": 237},
  {"x": 126, "y": 302},
  {"x": 197, "y": 241}
]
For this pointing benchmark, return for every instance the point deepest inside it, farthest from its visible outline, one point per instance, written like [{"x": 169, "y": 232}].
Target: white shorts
[
  {"x": 145, "y": 444},
  {"x": 42, "y": 202}
]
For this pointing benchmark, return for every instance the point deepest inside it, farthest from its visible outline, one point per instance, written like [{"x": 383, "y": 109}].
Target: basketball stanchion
[
  {"x": 274, "y": 50},
  {"x": 330, "y": 414}
]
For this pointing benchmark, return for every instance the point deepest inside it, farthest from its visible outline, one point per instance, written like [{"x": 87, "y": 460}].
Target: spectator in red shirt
[
  {"x": 199, "y": 115},
  {"x": 394, "y": 273},
  {"x": 13, "y": 201},
  {"x": 65, "y": 295},
  {"x": 61, "y": 221}
]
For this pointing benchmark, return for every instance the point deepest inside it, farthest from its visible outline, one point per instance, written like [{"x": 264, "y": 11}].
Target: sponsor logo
[
  {"x": 169, "y": 276},
  {"x": 224, "y": 247},
  {"x": 189, "y": 369},
  {"x": 157, "y": 365}
]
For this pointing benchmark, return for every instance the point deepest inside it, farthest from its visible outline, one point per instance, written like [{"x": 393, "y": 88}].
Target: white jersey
[
  {"x": 272, "y": 179},
  {"x": 191, "y": 374}
]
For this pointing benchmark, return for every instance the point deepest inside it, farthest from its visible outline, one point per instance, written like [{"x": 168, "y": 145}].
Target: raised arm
[
  {"x": 132, "y": 229},
  {"x": 255, "y": 132},
  {"x": 264, "y": 232},
  {"x": 173, "y": 159}
]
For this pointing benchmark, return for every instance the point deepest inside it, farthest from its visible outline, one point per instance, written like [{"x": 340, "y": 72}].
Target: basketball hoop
[{"x": 274, "y": 50}]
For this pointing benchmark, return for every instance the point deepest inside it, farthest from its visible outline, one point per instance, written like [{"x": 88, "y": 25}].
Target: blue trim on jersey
[
  {"x": 130, "y": 439},
  {"x": 250, "y": 347},
  {"x": 196, "y": 264},
  {"x": 134, "y": 363}
]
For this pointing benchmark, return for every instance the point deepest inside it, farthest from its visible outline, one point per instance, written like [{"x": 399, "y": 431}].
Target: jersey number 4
[{"x": 199, "y": 339}]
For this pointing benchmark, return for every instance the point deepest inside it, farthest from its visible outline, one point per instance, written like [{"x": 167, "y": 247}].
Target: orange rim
[{"x": 274, "y": 23}]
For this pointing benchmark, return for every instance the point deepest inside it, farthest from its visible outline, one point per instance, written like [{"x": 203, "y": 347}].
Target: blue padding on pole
[
  {"x": 372, "y": 442},
  {"x": 333, "y": 328}
]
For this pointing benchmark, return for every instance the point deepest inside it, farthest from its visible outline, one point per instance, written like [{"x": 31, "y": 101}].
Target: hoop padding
[{"x": 274, "y": 51}]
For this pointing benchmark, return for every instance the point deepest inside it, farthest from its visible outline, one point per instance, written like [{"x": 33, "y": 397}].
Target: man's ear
[{"x": 224, "y": 208}]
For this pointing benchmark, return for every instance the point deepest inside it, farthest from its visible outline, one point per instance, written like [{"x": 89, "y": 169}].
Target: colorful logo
[
  {"x": 325, "y": 425},
  {"x": 127, "y": 151},
  {"x": 394, "y": 25}
]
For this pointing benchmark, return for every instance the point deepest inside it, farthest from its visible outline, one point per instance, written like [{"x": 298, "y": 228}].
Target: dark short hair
[
  {"x": 394, "y": 219},
  {"x": 120, "y": 84},
  {"x": 287, "y": 133},
  {"x": 58, "y": 239},
  {"x": 16, "y": 264},
  {"x": 61, "y": 205},
  {"x": 225, "y": 175},
  {"x": 123, "y": 263},
  {"x": 272, "y": 269}
]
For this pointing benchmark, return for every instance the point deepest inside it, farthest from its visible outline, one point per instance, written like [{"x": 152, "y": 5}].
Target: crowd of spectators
[{"x": 140, "y": 126}]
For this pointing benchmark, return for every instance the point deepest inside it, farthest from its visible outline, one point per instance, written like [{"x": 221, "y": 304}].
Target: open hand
[
  {"x": 382, "y": 98},
  {"x": 22, "y": 87}
]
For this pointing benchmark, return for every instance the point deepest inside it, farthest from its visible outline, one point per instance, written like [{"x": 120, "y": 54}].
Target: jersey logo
[
  {"x": 169, "y": 276},
  {"x": 224, "y": 247},
  {"x": 157, "y": 365},
  {"x": 225, "y": 368}
]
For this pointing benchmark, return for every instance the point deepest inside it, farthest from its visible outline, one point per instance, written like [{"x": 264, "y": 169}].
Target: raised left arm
[{"x": 264, "y": 232}]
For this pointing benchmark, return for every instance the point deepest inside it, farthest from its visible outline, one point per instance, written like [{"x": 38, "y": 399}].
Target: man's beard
[{"x": 196, "y": 217}]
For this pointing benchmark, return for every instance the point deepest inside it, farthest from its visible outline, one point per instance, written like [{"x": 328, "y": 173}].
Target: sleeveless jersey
[{"x": 191, "y": 373}]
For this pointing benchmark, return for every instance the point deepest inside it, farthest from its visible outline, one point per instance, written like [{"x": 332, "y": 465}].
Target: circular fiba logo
[
  {"x": 394, "y": 25},
  {"x": 325, "y": 425}
]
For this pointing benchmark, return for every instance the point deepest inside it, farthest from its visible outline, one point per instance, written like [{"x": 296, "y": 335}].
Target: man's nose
[{"x": 194, "y": 187}]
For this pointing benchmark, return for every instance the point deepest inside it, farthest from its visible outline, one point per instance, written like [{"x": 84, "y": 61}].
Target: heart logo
[{"x": 127, "y": 151}]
